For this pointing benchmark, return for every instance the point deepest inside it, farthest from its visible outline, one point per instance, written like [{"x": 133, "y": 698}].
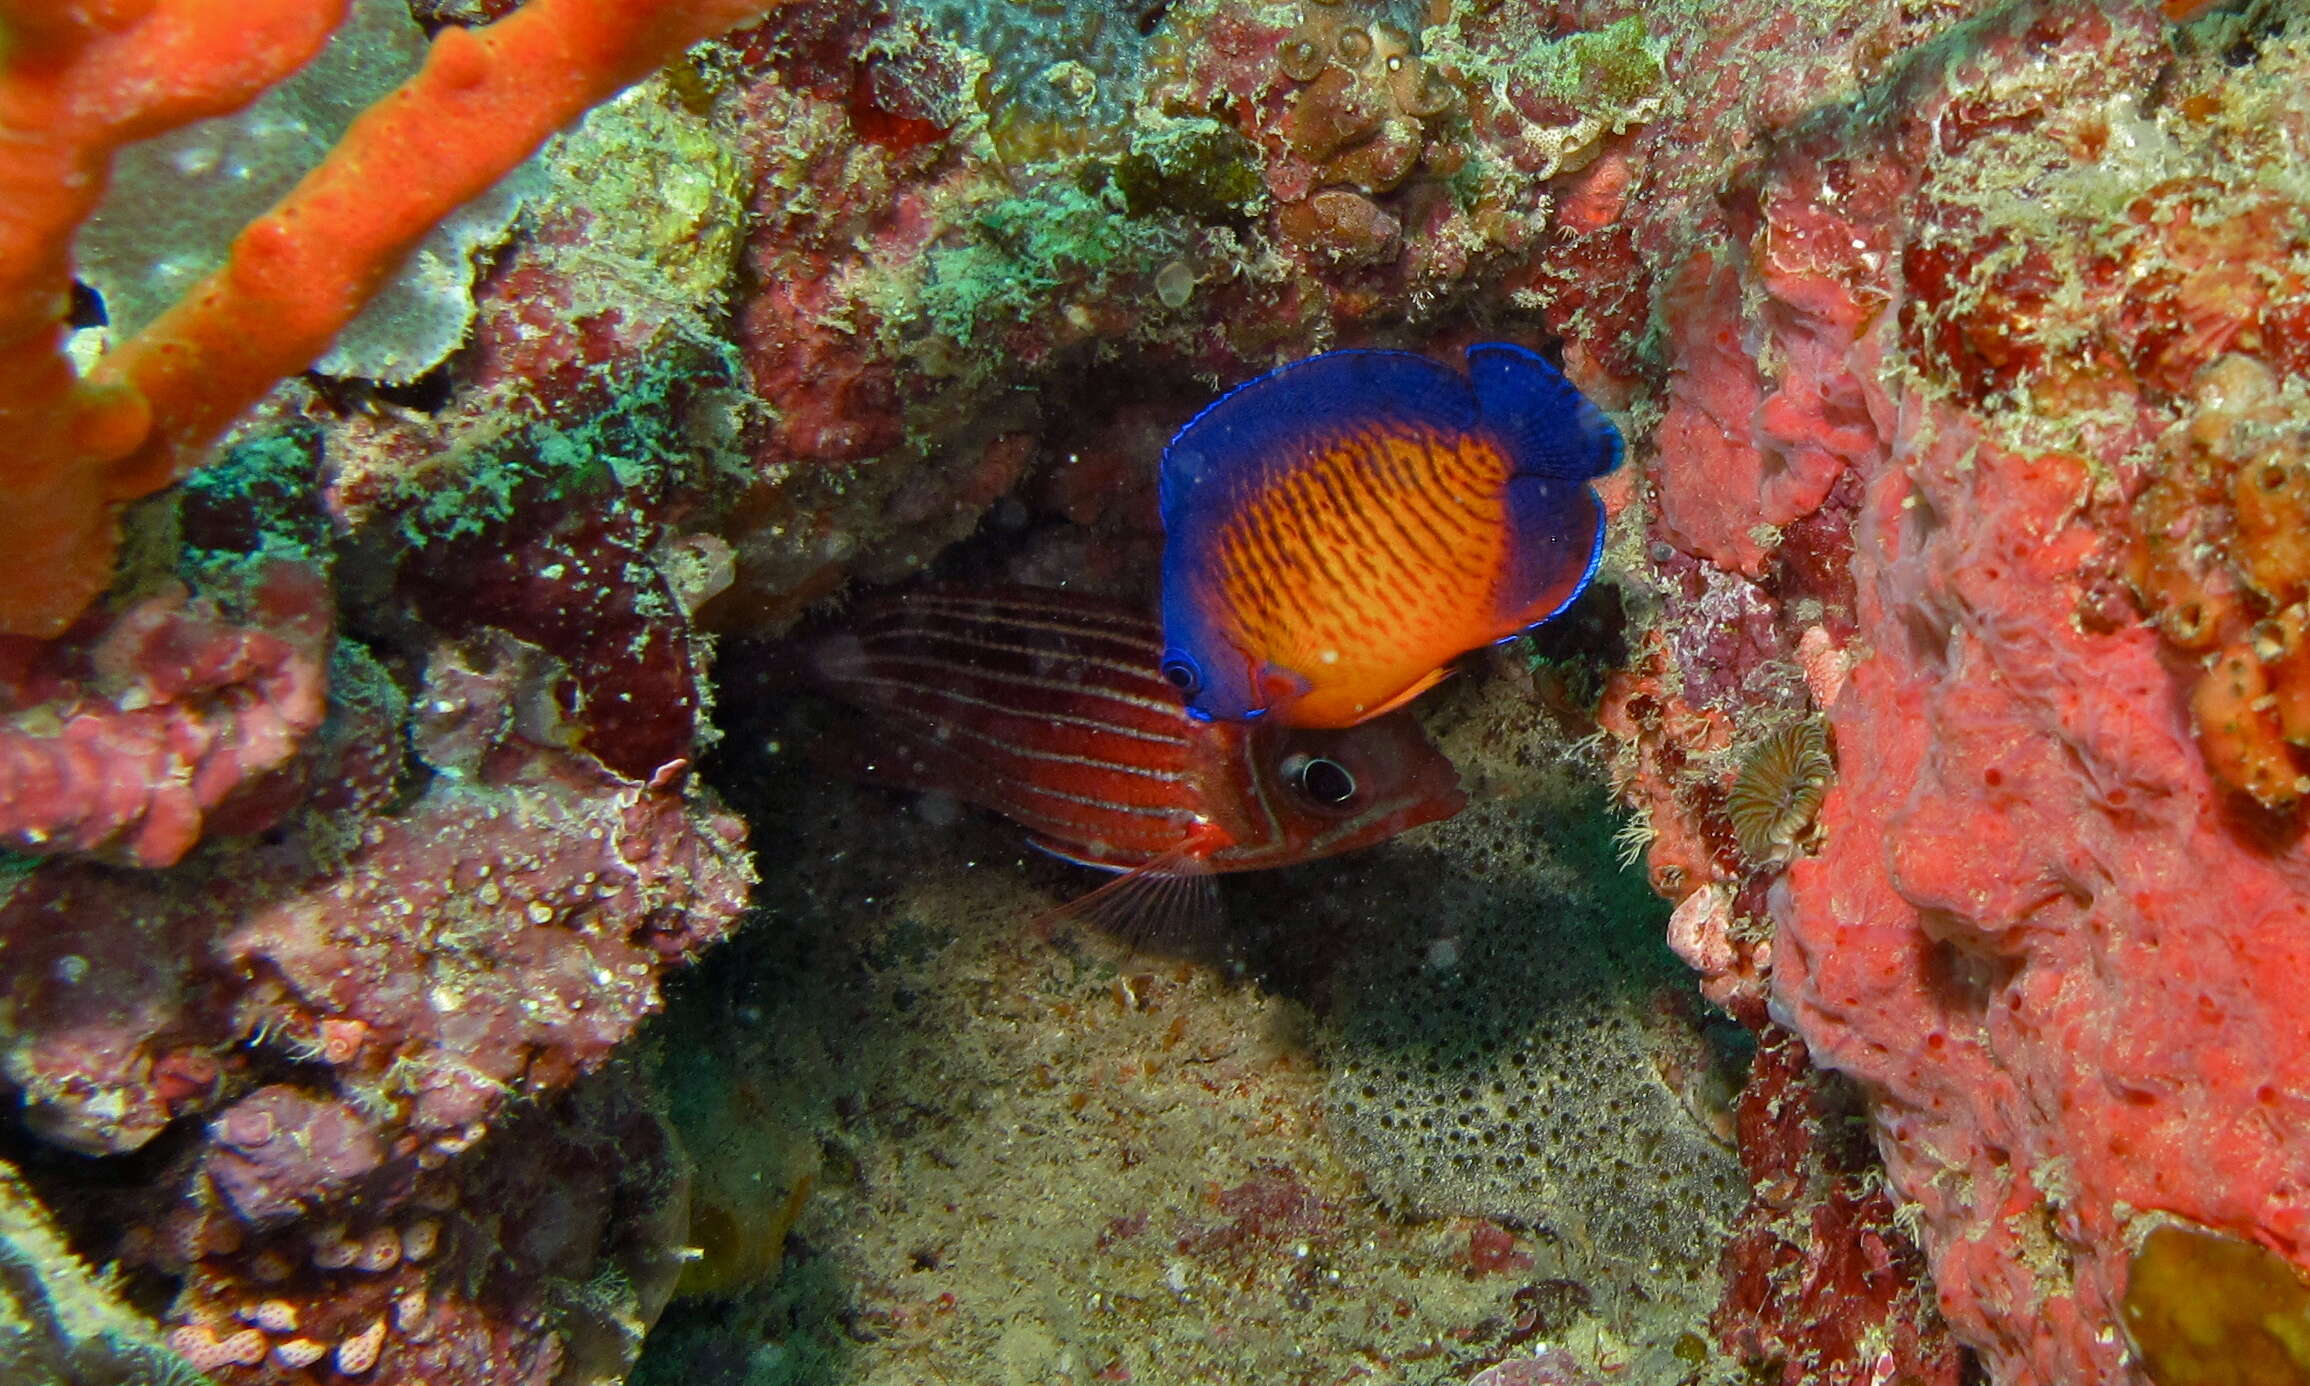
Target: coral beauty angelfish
[
  {"x": 1048, "y": 707},
  {"x": 1338, "y": 530}
]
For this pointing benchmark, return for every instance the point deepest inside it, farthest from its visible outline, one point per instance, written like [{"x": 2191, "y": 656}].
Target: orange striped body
[
  {"x": 1047, "y": 707},
  {"x": 1403, "y": 531}
]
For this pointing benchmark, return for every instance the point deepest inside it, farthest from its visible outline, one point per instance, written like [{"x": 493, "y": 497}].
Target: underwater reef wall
[
  {"x": 352, "y": 836},
  {"x": 352, "y": 832},
  {"x": 1983, "y": 398}
]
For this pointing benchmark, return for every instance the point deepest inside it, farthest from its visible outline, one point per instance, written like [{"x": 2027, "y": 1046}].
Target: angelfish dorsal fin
[{"x": 1549, "y": 428}]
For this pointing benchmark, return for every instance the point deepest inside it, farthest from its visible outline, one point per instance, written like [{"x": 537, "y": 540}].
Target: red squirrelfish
[
  {"x": 1050, "y": 709},
  {"x": 1338, "y": 530}
]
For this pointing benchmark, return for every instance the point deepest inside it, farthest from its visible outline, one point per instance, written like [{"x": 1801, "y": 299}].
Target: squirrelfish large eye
[
  {"x": 1319, "y": 780},
  {"x": 1180, "y": 672}
]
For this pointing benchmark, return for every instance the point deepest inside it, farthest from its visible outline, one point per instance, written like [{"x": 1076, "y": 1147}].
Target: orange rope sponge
[
  {"x": 77, "y": 81},
  {"x": 485, "y": 99}
]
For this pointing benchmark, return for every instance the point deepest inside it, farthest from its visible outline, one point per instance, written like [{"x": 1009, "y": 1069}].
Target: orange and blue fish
[
  {"x": 1339, "y": 530},
  {"x": 1050, "y": 708}
]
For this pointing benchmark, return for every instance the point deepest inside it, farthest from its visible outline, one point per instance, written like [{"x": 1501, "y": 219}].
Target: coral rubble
[
  {"x": 358, "y": 834},
  {"x": 989, "y": 1152}
]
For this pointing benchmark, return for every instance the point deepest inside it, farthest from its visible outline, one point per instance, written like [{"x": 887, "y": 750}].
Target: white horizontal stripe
[
  {"x": 1053, "y": 616},
  {"x": 1015, "y": 681},
  {"x": 1325, "y": 841},
  {"x": 952, "y": 728},
  {"x": 1134, "y": 668},
  {"x": 935, "y": 731},
  {"x": 1133, "y": 810}
]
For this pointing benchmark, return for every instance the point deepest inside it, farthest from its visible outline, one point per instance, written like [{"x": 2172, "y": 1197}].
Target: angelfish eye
[
  {"x": 1180, "y": 672},
  {"x": 1319, "y": 780}
]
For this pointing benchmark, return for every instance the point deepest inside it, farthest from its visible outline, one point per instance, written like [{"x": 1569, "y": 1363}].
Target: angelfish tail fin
[{"x": 1559, "y": 547}]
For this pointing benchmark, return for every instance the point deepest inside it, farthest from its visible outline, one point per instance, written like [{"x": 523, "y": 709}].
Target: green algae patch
[
  {"x": 1618, "y": 64},
  {"x": 266, "y": 485},
  {"x": 1604, "y": 80},
  {"x": 666, "y": 192},
  {"x": 639, "y": 445},
  {"x": 1196, "y": 167},
  {"x": 1025, "y": 250}
]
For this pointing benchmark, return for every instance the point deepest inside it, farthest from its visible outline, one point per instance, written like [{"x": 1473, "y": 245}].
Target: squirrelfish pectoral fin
[
  {"x": 1171, "y": 901},
  {"x": 1549, "y": 428}
]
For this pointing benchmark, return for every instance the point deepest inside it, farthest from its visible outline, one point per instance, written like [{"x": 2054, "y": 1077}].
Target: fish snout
[
  {"x": 1377, "y": 778},
  {"x": 1220, "y": 693}
]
